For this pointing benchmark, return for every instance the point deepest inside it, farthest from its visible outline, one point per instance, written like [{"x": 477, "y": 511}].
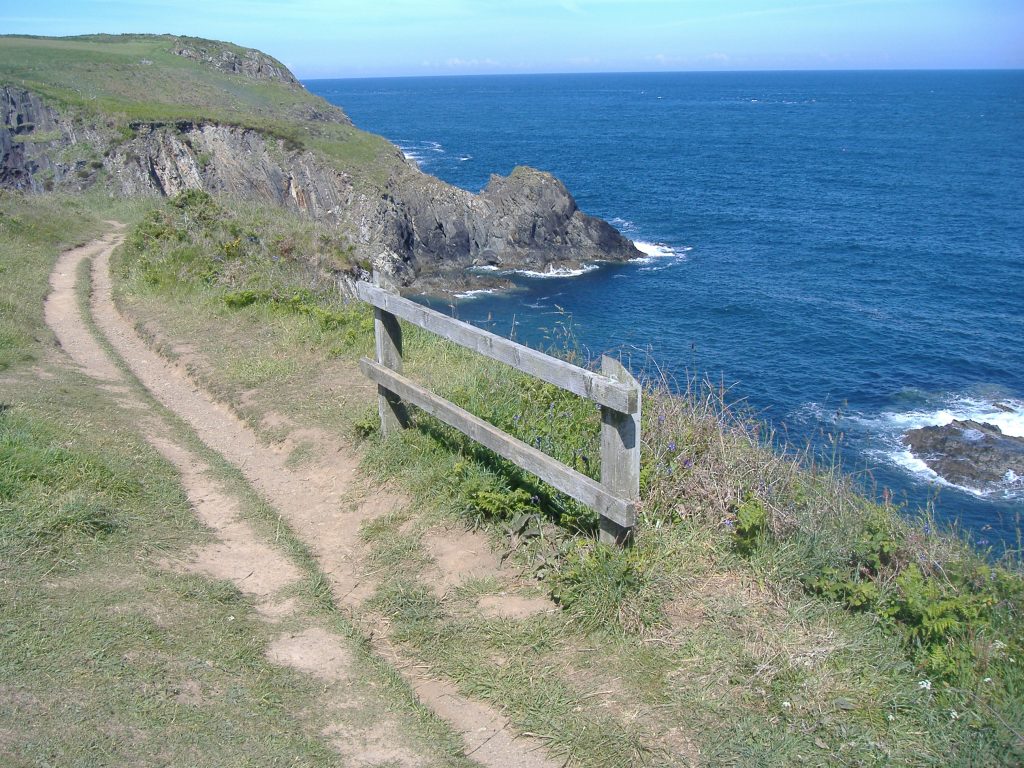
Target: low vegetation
[
  {"x": 110, "y": 652},
  {"x": 121, "y": 81},
  {"x": 766, "y": 613}
]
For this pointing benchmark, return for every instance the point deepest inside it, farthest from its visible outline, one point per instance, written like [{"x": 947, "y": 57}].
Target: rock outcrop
[
  {"x": 34, "y": 139},
  {"x": 243, "y": 61},
  {"x": 409, "y": 224},
  {"x": 971, "y": 454}
]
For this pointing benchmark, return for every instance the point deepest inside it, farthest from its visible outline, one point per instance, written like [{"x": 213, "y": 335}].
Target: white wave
[
  {"x": 1010, "y": 487},
  {"x": 1007, "y": 414},
  {"x": 412, "y": 156},
  {"x": 653, "y": 250},
  {"x": 889, "y": 427},
  {"x": 658, "y": 254},
  {"x": 556, "y": 271},
  {"x": 551, "y": 271},
  {"x": 474, "y": 293},
  {"x": 464, "y": 158}
]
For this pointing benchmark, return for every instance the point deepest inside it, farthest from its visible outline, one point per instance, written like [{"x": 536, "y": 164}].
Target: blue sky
[{"x": 319, "y": 38}]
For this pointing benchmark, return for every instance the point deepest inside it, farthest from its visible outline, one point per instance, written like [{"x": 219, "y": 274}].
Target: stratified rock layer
[{"x": 408, "y": 224}]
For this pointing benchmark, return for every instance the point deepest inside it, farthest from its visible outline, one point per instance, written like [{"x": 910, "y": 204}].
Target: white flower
[
  {"x": 924, "y": 685},
  {"x": 786, "y": 705},
  {"x": 987, "y": 680},
  {"x": 890, "y": 717},
  {"x": 954, "y": 715}
]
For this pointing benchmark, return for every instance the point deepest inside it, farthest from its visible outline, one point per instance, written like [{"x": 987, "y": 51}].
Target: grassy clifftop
[
  {"x": 766, "y": 608},
  {"x": 122, "y": 80}
]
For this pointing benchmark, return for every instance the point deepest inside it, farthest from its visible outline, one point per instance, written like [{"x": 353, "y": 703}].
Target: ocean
[{"x": 843, "y": 251}]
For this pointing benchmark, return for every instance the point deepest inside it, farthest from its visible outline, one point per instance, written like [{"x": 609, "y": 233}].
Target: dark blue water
[{"x": 844, "y": 250}]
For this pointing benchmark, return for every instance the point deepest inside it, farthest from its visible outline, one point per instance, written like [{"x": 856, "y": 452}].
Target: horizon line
[{"x": 664, "y": 72}]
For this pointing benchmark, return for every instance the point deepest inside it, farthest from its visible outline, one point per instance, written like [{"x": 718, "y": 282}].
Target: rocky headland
[
  {"x": 304, "y": 154},
  {"x": 971, "y": 454}
]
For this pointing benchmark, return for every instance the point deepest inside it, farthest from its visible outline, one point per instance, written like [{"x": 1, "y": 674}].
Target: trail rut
[{"x": 325, "y": 503}]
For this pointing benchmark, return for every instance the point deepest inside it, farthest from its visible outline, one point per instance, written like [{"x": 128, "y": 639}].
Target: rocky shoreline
[
  {"x": 970, "y": 454},
  {"x": 422, "y": 232}
]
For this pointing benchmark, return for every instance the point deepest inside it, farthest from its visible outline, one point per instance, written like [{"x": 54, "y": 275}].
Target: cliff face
[
  {"x": 408, "y": 223},
  {"x": 34, "y": 146}
]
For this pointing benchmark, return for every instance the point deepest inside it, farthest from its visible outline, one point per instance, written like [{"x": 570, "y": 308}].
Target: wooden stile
[{"x": 615, "y": 389}]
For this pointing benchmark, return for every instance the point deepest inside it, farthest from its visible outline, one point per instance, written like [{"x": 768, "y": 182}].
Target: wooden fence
[{"x": 614, "y": 389}]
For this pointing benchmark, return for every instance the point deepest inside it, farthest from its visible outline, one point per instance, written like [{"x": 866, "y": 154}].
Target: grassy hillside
[
  {"x": 112, "y": 652},
  {"x": 767, "y": 611},
  {"x": 127, "y": 79}
]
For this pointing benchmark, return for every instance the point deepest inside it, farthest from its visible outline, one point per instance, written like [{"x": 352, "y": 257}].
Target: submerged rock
[{"x": 971, "y": 454}]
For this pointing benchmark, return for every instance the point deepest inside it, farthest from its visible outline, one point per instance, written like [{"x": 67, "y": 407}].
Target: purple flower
[
  {"x": 672, "y": 445},
  {"x": 687, "y": 463}
]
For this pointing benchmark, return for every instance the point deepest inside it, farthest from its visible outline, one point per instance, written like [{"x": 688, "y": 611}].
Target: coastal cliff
[{"x": 197, "y": 116}]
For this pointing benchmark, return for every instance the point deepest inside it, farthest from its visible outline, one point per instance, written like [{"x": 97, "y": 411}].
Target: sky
[{"x": 348, "y": 38}]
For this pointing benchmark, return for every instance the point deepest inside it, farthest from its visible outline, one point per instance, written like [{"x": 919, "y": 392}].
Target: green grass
[
  {"x": 121, "y": 81},
  {"x": 728, "y": 630},
  {"x": 107, "y": 654}
]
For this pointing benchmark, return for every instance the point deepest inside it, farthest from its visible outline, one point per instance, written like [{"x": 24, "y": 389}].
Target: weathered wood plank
[
  {"x": 620, "y": 451},
  {"x": 601, "y": 389},
  {"x": 553, "y": 472},
  {"x": 388, "y": 343}
]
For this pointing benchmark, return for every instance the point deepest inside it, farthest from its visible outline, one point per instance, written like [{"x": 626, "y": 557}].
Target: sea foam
[
  {"x": 556, "y": 271},
  {"x": 889, "y": 427},
  {"x": 473, "y": 294}
]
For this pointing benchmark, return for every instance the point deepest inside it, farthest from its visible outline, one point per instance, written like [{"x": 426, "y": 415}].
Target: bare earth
[{"x": 325, "y": 502}]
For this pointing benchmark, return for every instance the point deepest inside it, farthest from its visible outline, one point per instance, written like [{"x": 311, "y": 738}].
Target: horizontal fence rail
[
  {"x": 601, "y": 389},
  {"x": 614, "y": 389}
]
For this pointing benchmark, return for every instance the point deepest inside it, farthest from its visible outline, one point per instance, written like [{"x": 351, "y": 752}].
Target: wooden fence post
[
  {"x": 620, "y": 452},
  {"x": 388, "y": 341}
]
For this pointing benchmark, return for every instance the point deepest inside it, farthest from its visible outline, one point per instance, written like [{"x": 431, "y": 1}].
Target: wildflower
[
  {"x": 661, "y": 418},
  {"x": 927, "y": 529},
  {"x": 924, "y": 685},
  {"x": 687, "y": 463},
  {"x": 729, "y": 524},
  {"x": 987, "y": 680},
  {"x": 890, "y": 717},
  {"x": 672, "y": 445},
  {"x": 786, "y": 705},
  {"x": 954, "y": 715}
]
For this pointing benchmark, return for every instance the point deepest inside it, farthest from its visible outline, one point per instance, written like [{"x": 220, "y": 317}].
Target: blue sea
[{"x": 844, "y": 251}]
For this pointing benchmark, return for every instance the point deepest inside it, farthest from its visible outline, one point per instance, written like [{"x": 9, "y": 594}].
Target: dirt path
[{"x": 324, "y": 502}]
